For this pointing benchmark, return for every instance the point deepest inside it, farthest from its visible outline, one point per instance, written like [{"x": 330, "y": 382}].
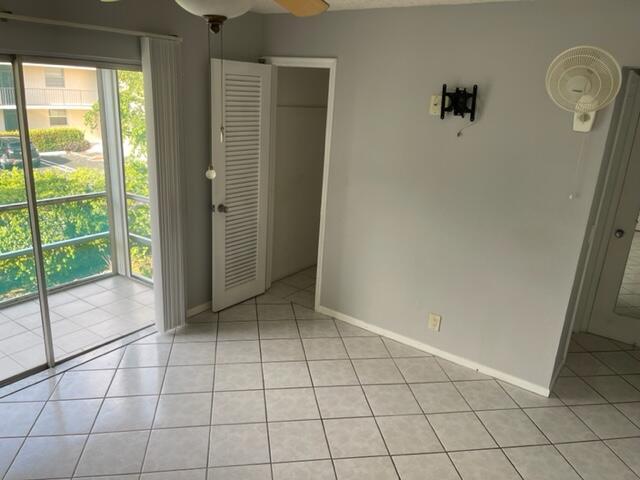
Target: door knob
[
  {"x": 222, "y": 208},
  {"x": 619, "y": 233}
]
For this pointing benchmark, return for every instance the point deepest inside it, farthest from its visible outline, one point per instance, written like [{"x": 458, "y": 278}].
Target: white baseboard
[
  {"x": 532, "y": 387},
  {"x": 198, "y": 309}
]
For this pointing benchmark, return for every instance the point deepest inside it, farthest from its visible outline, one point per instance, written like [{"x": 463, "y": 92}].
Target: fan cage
[{"x": 597, "y": 65}]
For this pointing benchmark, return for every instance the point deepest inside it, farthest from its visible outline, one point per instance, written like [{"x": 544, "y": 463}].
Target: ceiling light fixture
[{"x": 216, "y": 12}]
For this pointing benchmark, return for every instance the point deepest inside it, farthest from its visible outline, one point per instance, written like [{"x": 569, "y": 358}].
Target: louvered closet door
[{"x": 241, "y": 161}]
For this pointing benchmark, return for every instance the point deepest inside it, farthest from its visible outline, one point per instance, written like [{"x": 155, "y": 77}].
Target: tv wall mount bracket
[{"x": 460, "y": 102}]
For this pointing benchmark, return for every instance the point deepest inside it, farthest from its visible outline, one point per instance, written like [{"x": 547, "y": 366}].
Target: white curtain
[{"x": 161, "y": 70}]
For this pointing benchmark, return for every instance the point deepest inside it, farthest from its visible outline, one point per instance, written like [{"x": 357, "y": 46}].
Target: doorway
[
  {"x": 302, "y": 120},
  {"x": 612, "y": 282},
  {"x": 297, "y": 165},
  {"x": 75, "y": 248}
]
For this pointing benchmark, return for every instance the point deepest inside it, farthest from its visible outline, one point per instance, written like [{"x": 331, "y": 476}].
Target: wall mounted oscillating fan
[{"x": 583, "y": 80}]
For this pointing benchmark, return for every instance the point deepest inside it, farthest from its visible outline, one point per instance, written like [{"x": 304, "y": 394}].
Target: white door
[
  {"x": 616, "y": 312},
  {"x": 239, "y": 192}
]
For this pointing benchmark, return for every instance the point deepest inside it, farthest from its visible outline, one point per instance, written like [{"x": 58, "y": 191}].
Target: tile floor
[
  {"x": 273, "y": 390},
  {"x": 82, "y": 317}
]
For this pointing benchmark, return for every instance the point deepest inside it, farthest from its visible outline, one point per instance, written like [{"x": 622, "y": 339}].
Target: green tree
[{"x": 132, "y": 117}]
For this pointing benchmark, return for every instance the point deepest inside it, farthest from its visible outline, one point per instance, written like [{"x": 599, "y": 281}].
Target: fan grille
[{"x": 583, "y": 79}]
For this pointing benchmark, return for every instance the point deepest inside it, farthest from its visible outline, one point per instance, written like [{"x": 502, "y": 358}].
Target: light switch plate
[{"x": 434, "y": 322}]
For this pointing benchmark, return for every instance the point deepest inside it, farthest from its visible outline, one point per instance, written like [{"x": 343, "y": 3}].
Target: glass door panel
[
  {"x": 63, "y": 113},
  {"x": 21, "y": 331}
]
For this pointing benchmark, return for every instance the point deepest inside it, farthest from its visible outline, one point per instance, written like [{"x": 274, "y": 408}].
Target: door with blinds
[{"x": 241, "y": 106}]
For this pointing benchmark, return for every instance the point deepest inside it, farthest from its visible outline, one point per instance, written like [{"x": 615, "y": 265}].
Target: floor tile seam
[
  {"x": 395, "y": 468},
  {"x": 484, "y": 426},
  {"x": 615, "y": 408},
  {"x": 155, "y": 411},
  {"x": 315, "y": 395},
  {"x": 86, "y": 440},
  {"x": 264, "y": 396},
  {"x": 211, "y": 406},
  {"x": 423, "y": 412},
  {"x": 596, "y": 436},
  {"x": 24, "y": 440}
]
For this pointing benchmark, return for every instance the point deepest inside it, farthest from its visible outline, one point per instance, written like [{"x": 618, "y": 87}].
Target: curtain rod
[{"x": 85, "y": 26}]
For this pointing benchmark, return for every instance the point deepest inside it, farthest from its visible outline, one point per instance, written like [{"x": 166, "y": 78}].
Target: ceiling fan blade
[{"x": 304, "y": 8}]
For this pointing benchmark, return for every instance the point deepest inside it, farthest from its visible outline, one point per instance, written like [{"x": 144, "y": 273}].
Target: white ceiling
[{"x": 269, "y": 6}]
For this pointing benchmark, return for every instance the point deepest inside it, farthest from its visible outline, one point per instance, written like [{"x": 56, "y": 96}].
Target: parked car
[{"x": 11, "y": 153}]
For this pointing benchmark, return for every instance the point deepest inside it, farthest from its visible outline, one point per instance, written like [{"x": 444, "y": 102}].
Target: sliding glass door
[
  {"x": 22, "y": 336},
  {"x": 86, "y": 168}
]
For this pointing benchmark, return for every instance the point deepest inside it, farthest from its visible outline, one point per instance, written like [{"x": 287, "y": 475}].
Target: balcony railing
[
  {"x": 54, "y": 201},
  {"x": 76, "y": 240},
  {"x": 50, "y": 97}
]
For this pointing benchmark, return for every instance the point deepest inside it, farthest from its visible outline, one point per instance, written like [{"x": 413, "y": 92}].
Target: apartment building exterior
[{"x": 56, "y": 96}]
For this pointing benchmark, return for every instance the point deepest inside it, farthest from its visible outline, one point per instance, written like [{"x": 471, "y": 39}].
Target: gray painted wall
[
  {"x": 479, "y": 228},
  {"x": 243, "y": 41},
  {"x": 300, "y": 135}
]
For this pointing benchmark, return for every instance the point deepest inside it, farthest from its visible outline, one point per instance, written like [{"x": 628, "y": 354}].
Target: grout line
[
  {"x": 482, "y": 423},
  {"x": 384, "y": 442},
  {"x": 84, "y": 446},
  {"x": 155, "y": 411},
  {"x": 213, "y": 394},
  {"x": 315, "y": 395},
  {"x": 539, "y": 430},
  {"x": 598, "y": 438},
  {"x": 424, "y": 415},
  {"x": 24, "y": 440},
  {"x": 264, "y": 396}
]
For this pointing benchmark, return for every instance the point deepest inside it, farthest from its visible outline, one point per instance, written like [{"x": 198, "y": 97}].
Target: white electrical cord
[{"x": 577, "y": 173}]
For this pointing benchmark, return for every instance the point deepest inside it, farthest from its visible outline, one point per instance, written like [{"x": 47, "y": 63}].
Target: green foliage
[
  {"x": 65, "y": 221},
  {"x": 136, "y": 177},
  {"x": 132, "y": 117},
  {"x": 54, "y": 139}
]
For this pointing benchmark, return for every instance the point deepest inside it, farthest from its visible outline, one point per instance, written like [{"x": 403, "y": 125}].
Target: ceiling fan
[{"x": 215, "y": 12}]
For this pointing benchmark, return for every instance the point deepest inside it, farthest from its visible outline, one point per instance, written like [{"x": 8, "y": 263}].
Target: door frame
[
  {"x": 301, "y": 62},
  {"x": 601, "y": 220}
]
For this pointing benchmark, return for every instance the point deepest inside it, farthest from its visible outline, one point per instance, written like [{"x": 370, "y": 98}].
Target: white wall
[
  {"x": 479, "y": 228},
  {"x": 301, "y": 119}
]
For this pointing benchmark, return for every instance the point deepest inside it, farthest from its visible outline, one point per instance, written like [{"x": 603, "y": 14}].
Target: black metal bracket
[{"x": 459, "y": 102}]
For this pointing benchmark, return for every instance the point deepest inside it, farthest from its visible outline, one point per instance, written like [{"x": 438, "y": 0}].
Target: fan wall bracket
[{"x": 583, "y": 121}]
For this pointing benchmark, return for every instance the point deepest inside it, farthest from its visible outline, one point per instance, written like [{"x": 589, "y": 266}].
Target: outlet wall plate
[
  {"x": 434, "y": 106},
  {"x": 434, "y": 322}
]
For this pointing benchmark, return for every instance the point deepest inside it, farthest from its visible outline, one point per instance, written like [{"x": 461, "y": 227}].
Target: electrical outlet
[
  {"x": 434, "y": 106},
  {"x": 434, "y": 322}
]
